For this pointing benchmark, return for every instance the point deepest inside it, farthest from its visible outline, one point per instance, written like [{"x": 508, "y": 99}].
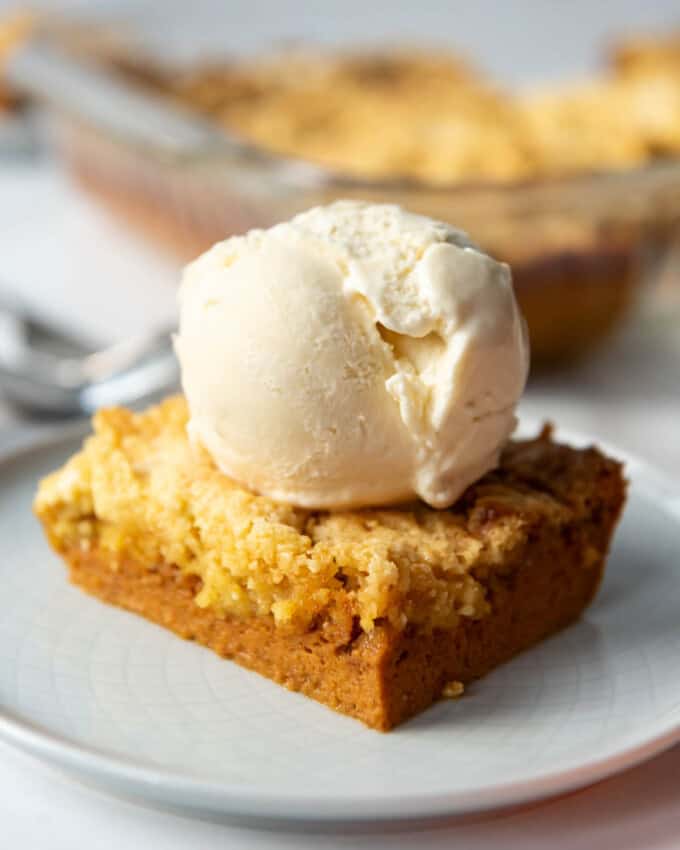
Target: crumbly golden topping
[
  {"x": 453, "y": 690},
  {"x": 429, "y": 117},
  {"x": 139, "y": 489},
  {"x": 642, "y": 54}
]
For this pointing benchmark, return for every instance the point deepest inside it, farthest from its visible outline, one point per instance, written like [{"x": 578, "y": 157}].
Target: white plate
[{"x": 126, "y": 705}]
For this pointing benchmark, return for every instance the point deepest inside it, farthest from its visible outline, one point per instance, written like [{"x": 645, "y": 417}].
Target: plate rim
[{"x": 165, "y": 786}]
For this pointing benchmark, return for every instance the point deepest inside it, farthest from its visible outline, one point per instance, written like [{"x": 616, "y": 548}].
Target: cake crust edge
[{"x": 384, "y": 677}]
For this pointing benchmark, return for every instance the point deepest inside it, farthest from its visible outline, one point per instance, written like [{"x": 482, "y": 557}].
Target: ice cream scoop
[{"x": 356, "y": 355}]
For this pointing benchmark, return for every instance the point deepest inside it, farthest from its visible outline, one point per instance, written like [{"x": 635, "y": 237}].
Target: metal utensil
[
  {"x": 43, "y": 371},
  {"x": 45, "y": 69}
]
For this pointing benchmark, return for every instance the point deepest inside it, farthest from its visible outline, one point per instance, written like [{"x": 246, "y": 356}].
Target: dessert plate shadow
[{"x": 123, "y": 704}]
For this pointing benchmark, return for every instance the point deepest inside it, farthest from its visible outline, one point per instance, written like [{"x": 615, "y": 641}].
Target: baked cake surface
[
  {"x": 375, "y": 612},
  {"x": 431, "y": 117}
]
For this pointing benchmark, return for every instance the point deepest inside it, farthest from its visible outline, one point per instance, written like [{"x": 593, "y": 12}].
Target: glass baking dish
[{"x": 581, "y": 248}]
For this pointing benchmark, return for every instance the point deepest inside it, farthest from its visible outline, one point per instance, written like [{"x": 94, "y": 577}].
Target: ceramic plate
[{"x": 124, "y": 704}]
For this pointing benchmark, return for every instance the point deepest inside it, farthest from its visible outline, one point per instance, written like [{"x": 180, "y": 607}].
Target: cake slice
[{"x": 376, "y": 612}]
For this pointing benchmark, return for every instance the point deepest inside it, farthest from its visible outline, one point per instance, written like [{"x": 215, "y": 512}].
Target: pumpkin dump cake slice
[{"x": 374, "y": 612}]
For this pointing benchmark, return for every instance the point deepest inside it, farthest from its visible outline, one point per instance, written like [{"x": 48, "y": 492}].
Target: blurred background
[{"x": 135, "y": 134}]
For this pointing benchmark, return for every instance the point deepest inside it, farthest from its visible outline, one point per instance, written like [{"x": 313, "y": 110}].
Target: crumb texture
[
  {"x": 429, "y": 116},
  {"x": 139, "y": 490}
]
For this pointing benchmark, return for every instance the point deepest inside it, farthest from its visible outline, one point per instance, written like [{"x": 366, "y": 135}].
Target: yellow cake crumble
[
  {"x": 139, "y": 489},
  {"x": 453, "y": 690},
  {"x": 376, "y": 613},
  {"x": 430, "y": 117}
]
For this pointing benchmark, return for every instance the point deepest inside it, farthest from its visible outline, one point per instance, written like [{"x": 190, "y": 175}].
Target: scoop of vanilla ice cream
[{"x": 356, "y": 355}]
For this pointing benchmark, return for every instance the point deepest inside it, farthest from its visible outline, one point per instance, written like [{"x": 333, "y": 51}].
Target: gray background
[{"x": 517, "y": 40}]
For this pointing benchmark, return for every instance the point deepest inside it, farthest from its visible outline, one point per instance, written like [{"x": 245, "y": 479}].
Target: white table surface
[{"x": 66, "y": 258}]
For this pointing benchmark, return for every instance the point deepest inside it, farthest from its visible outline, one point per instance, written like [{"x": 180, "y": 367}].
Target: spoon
[{"x": 46, "y": 372}]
